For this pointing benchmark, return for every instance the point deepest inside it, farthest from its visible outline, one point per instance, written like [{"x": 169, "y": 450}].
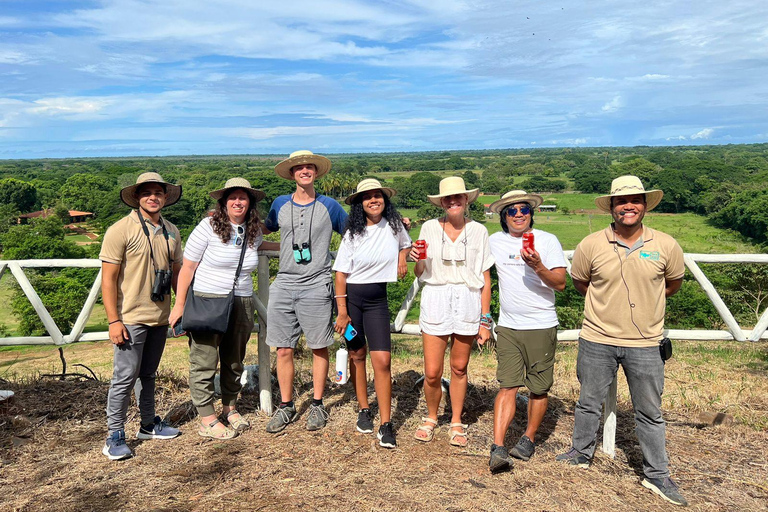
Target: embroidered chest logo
[{"x": 649, "y": 255}]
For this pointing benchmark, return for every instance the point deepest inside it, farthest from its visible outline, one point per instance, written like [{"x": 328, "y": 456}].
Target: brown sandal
[
  {"x": 458, "y": 438},
  {"x": 240, "y": 424},
  {"x": 429, "y": 430},
  {"x": 209, "y": 431}
]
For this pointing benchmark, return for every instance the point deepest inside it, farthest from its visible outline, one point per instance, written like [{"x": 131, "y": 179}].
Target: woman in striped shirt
[{"x": 211, "y": 258}]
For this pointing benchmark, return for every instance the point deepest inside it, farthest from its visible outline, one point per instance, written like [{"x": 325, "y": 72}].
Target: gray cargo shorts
[{"x": 300, "y": 309}]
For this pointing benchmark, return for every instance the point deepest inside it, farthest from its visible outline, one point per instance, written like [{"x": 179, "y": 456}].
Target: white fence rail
[{"x": 56, "y": 337}]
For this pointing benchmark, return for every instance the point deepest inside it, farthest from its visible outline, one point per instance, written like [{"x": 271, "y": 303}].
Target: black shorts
[{"x": 369, "y": 312}]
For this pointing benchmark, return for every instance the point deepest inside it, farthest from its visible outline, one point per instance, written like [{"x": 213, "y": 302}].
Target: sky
[{"x": 184, "y": 77}]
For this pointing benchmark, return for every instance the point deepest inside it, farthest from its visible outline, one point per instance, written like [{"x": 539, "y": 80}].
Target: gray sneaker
[
  {"x": 158, "y": 430},
  {"x": 317, "y": 417},
  {"x": 665, "y": 488},
  {"x": 574, "y": 458},
  {"x": 364, "y": 421},
  {"x": 524, "y": 448},
  {"x": 115, "y": 447},
  {"x": 281, "y": 418},
  {"x": 499, "y": 459}
]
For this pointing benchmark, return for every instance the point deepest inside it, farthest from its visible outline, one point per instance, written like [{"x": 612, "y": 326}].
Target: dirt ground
[{"x": 51, "y": 438}]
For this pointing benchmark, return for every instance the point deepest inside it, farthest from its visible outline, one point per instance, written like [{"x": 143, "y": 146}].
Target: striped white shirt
[{"x": 218, "y": 262}]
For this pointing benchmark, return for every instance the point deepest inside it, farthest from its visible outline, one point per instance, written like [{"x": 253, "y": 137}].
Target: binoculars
[
  {"x": 162, "y": 285},
  {"x": 303, "y": 254}
]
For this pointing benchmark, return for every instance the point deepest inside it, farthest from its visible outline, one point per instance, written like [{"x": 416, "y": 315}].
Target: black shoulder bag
[{"x": 211, "y": 313}]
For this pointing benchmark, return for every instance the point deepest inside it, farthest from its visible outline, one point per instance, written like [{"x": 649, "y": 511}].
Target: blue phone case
[{"x": 350, "y": 333}]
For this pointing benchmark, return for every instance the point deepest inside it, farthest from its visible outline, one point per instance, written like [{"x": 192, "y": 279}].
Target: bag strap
[{"x": 242, "y": 257}]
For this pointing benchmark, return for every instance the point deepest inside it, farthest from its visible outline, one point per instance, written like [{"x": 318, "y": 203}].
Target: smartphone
[
  {"x": 350, "y": 333},
  {"x": 178, "y": 330}
]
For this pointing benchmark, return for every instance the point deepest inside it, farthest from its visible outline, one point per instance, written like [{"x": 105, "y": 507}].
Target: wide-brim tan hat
[
  {"x": 514, "y": 197},
  {"x": 242, "y": 183},
  {"x": 303, "y": 156},
  {"x": 172, "y": 192},
  {"x": 628, "y": 186},
  {"x": 370, "y": 184},
  {"x": 451, "y": 186}
]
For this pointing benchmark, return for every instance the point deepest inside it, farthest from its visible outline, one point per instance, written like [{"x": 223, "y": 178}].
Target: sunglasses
[
  {"x": 525, "y": 210},
  {"x": 239, "y": 232}
]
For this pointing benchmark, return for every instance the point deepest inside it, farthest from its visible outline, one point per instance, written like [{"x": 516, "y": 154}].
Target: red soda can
[
  {"x": 528, "y": 241},
  {"x": 421, "y": 245}
]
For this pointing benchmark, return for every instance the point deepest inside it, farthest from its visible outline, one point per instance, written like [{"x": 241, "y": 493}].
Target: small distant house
[
  {"x": 75, "y": 216},
  {"x": 548, "y": 208}
]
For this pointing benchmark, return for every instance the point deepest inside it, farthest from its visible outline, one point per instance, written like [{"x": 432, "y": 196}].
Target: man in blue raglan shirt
[{"x": 300, "y": 298}]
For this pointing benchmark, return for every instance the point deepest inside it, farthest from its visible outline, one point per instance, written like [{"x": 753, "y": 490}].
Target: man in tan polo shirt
[
  {"x": 141, "y": 256},
  {"x": 626, "y": 273}
]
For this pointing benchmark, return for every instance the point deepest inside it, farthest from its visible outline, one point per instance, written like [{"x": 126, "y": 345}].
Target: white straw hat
[
  {"x": 628, "y": 186},
  {"x": 303, "y": 156},
  {"x": 451, "y": 186},
  {"x": 370, "y": 184},
  {"x": 516, "y": 196},
  {"x": 242, "y": 183},
  {"x": 172, "y": 192}
]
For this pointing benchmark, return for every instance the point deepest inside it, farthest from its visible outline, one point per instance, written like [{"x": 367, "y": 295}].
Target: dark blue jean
[{"x": 596, "y": 368}]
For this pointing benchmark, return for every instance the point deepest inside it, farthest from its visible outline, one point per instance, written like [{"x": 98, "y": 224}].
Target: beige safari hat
[
  {"x": 242, "y": 183},
  {"x": 516, "y": 196},
  {"x": 451, "y": 186},
  {"x": 172, "y": 192},
  {"x": 370, "y": 184},
  {"x": 627, "y": 186},
  {"x": 303, "y": 156}
]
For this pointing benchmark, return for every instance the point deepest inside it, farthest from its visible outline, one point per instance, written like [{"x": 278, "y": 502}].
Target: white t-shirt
[
  {"x": 525, "y": 301},
  {"x": 371, "y": 257},
  {"x": 462, "y": 261},
  {"x": 218, "y": 261}
]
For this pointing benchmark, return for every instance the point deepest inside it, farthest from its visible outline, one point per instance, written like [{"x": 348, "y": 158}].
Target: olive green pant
[{"x": 205, "y": 350}]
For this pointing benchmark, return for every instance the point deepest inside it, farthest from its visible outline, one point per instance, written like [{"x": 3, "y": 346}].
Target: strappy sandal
[
  {"x": 209, "y": 431},
  {"x": 458, "y": 438},
  {"x": 429, "y": 430},
  {"x": 240, "y": 424}
]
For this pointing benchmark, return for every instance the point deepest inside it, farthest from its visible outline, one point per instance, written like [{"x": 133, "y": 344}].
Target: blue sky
[{"x": 176, "y": 77}]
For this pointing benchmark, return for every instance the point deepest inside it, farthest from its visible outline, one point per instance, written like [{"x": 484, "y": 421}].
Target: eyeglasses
[
  {"x": 525, "y": 210},
  {"x": 453, "y": 250},
  {"x": 239, "y": 232}
]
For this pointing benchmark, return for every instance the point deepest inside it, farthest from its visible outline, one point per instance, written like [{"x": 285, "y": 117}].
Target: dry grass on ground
[{"x": 51, "y": 437}]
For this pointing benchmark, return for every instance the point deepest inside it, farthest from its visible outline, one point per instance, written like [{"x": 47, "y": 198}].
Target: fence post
[{"x": 265, "y": 363}]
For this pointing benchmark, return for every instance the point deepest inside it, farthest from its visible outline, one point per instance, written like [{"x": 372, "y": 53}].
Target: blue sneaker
[
  {"x": 115, "y": 447},
  {"x": 159, "y": 430}
]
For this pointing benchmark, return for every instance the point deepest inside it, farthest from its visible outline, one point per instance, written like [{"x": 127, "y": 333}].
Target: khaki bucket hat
[
  {"x": 172, "y": 192},
  {"x": 303, "y": 156},
  {"x": 516, "y": 196},
  {"x": 451, "y": 186},
  {"x": 370, "y": 184},
  {"x": 628, "y": 186},
  {"x": 242, "y": 183}
]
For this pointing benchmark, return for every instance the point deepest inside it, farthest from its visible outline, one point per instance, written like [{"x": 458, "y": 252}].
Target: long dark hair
[
  {"x": 222, "y": 226},
  {"x": 503, "y": 216},
  {"x": 357, "y": 221}
]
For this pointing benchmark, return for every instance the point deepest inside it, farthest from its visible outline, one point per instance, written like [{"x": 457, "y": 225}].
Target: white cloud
[
  {"x": 706, "y": 133},
  {"x": 679, "y": 137},
  {"x": 613, "y": 105}
]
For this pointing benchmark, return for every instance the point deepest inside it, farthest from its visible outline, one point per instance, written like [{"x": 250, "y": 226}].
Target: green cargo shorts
[{"x": 526, "y": 358}]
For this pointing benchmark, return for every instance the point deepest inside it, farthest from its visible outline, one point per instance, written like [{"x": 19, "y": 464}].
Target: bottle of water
[{"x": 342, "y": 372}]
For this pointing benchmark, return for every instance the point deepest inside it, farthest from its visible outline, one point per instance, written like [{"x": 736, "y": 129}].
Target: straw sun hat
[
  {"x": 303, "y": 156},
  {"x": 451, "y": 186},
  {"x": 242, "y": 183},
  {"x": 172, "y": 192},
  {"x": 628, "y": 186},
  {"x": 370, "y": 184},
  {"x": 514, "y": 197}
]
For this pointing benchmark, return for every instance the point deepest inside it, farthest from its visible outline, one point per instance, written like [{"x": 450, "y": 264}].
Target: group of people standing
[{"x": 625, "y": 271}]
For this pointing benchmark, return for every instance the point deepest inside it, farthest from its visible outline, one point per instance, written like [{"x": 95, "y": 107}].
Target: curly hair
[
  {"x": 357, "y": 221},
  {"x": 222, "y": 226},
  {"x": 503, "y": 216}
]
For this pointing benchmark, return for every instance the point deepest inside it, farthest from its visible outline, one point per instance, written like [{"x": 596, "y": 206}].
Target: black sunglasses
[{"x": 525, "y": 210}]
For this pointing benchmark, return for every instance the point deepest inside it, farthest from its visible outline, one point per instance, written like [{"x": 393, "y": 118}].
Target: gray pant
[
  {"x": 205, "y": 348},
  {"x": 134, "y": 364},
  {"x": 596, "y": 367}
]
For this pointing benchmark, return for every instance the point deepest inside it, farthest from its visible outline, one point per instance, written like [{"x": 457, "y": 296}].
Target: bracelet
[
  {"x": 339, "y": 296},
  {"x": 114, "y": 321},
  {"x": 486, "y": 321}
]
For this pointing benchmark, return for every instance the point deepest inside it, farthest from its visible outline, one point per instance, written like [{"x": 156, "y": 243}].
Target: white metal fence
[{"x": 57, "y": 337}]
